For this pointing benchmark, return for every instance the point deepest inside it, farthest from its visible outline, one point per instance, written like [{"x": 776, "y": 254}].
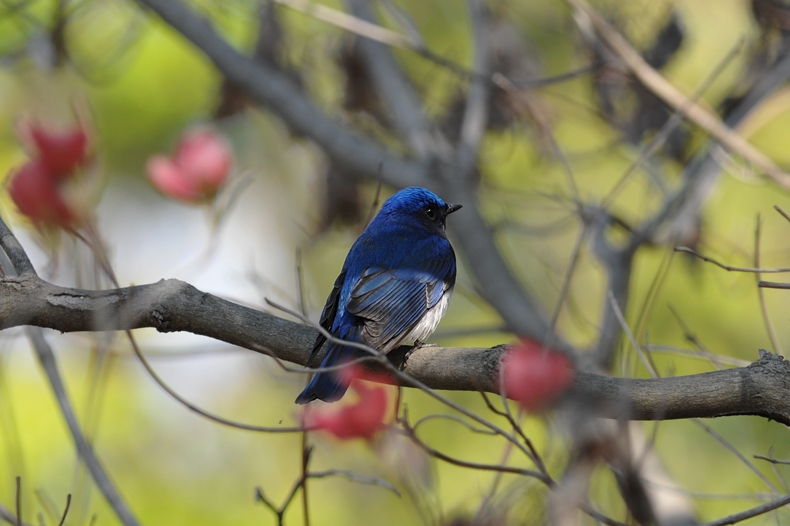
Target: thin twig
[
  {"x": 48, "y": 362},
  {"x": 716, "y": 359},
  {"x": 373, "y": 207},
  {"x": 773, "y": 460},
  {"x": 260, "y": 497},
  {"x": 472, "y": 465},
  {"x": 66, "y": 510},
  {"x": 351, "y": 23},
  {"x": 753, "y": 512},
  {"x": 651, "y": 297},
  {"x": 306, "y": 449},
  {"x": 646, "y": 361},
  {"x": 576, "y": 253},
  {"x": 535, "y": 456},
  {"x": 18, "y": 501},
  {"x": 732, "y": 449},
  {"x": 782, "y": 212},
  {"x": 456, "y": 419},
  {"x": 773, "y": 285},
  {"x": 356, "y": 477},
  {"x": 732, "y": 268},
  {"x": 760, "y": 293},
  {"x": 195, "y": 409}
]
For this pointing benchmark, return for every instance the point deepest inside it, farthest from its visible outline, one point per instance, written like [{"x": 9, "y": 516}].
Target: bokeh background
[{"x": 138, "y": 85}]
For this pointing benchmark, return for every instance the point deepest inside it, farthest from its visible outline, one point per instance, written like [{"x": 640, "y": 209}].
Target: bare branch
[
  {"x": 356, "y": 477},
  {"x": 773, "y": 285},
  {"x": 359, "y": 25},
  {"x": 773, "y": 460},
  {"x": 754, "y": 512},
  {"x": 731, "y": 268},
  {"x": 762, "y": 388}
]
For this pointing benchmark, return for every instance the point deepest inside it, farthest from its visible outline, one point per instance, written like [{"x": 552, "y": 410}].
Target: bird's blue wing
[
  {"x": 327, "y": 386},
  {"x": 328, "y": 315},
  {"x": 393, "y": 301}
]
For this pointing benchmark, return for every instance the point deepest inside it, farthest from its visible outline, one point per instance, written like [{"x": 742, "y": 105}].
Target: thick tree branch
[{"x": 762, "y": 388}]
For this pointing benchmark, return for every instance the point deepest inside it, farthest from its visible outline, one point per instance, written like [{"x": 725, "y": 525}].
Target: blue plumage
[{"x": 394, "y": 288}]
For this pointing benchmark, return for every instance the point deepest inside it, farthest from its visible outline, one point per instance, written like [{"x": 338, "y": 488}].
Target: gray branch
[{"x": 762, "y": 388}]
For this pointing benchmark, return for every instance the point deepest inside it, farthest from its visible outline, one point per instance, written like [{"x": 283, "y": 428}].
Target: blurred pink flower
[
  {"x": 535, "y": 376},
  {"x": 36, "y": 192},
  {"x": 359, "y": 419},
  {"x": 200, "y": 164}
]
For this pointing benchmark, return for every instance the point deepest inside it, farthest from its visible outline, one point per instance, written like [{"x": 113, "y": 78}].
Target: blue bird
[{"x": 394, "y": 288}]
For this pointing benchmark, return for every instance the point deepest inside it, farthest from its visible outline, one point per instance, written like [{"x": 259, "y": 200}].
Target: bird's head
[{"x": 419, "y": 204}]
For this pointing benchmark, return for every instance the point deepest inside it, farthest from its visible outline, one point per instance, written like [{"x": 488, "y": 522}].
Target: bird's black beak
[{"x": 452, "y": 208}]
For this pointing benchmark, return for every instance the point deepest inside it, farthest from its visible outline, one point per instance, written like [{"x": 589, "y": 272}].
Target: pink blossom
[
  {"x": 360, "y": 419},
  {"x": 36, "y": 193},
  {"x": 61, "y": 152},
  {"x": 535, "y": 376},
  {"x": 200, "y": 164}
]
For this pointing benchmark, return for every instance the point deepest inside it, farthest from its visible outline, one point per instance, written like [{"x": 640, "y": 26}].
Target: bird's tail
[{"x": 328, "y": 386}]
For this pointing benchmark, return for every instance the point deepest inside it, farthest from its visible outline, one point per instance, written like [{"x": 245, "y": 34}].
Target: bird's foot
[{"x": 418, "y": 344}]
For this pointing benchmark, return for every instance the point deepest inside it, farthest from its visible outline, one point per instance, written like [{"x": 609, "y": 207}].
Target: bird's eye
[{"x": 432, "y": 212}]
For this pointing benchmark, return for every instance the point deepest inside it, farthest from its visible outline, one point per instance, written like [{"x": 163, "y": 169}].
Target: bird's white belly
[{"x": 427, "y": 324}]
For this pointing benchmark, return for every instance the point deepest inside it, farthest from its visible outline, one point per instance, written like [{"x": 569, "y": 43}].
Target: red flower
[
  {"x": 201, "y": 163},
  {"x": 61, "y": 152},
  {"x": 36, "y": 193},
  {"x": 360, "y": 419},
  {"x": 534, "y": 376},
  {"x": 37, "y": 187}
]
